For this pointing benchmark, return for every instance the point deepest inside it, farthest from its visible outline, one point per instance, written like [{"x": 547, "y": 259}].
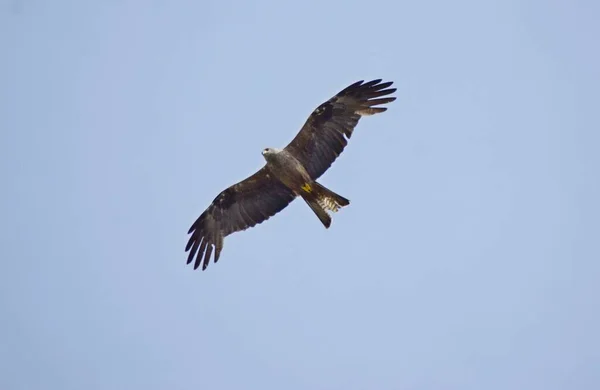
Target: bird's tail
[{"x": 321, "y": 199}]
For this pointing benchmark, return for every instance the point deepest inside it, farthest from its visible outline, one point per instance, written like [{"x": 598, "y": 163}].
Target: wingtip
[
  {"x": 189, "y": 244},
  {"x": 372, "y": 83}
]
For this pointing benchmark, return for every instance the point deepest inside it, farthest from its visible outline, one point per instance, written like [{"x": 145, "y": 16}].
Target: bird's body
[
  {"x": 287, "y": 169},
  {"x": 289, "y": 173}
]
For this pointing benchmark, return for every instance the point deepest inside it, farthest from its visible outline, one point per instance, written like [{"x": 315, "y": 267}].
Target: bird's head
[{"x": 269, "y": 152}]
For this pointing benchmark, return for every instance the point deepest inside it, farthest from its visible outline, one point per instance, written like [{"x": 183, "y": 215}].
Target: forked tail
[{"x": 321, "y": 199}]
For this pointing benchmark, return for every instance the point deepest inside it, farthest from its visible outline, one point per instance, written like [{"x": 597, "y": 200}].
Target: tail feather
[
  {"x": 329, "y": 199},
  {"x": 321, "y": 200},
  {"x": 319, "y": 211}
]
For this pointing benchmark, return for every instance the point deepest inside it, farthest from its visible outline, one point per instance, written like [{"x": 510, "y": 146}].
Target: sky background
[{"x": 469, "y": 257}]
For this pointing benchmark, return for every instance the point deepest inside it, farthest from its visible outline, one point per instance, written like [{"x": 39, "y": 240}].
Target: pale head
[{"x": 269, "y": 152}]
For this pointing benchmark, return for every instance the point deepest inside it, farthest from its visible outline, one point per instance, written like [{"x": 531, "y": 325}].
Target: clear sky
[{"x": 469, "y": 257}]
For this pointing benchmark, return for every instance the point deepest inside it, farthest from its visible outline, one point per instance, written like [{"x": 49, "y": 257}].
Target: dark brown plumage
[
  {"x": 321, "y": 140},
  {"x": 239, "y": 207},
  {"x": 253, "y": 200}
]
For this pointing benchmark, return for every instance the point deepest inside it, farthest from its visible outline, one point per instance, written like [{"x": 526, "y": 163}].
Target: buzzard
[{"x": 289, "y": 172}]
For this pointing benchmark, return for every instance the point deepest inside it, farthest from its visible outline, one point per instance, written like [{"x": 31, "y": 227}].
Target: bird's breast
[{"x": 289, "y": 171}]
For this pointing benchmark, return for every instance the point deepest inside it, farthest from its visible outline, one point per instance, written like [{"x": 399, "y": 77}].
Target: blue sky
[{"x": 468, "y": 258}]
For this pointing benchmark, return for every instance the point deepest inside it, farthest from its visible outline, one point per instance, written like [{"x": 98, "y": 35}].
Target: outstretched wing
[
  {"x": 239, "y": 207},
  {"x": 321, "y": 140}
]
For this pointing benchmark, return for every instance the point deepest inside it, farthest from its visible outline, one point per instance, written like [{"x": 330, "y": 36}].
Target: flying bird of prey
[{"x": 289, "y": 172}]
